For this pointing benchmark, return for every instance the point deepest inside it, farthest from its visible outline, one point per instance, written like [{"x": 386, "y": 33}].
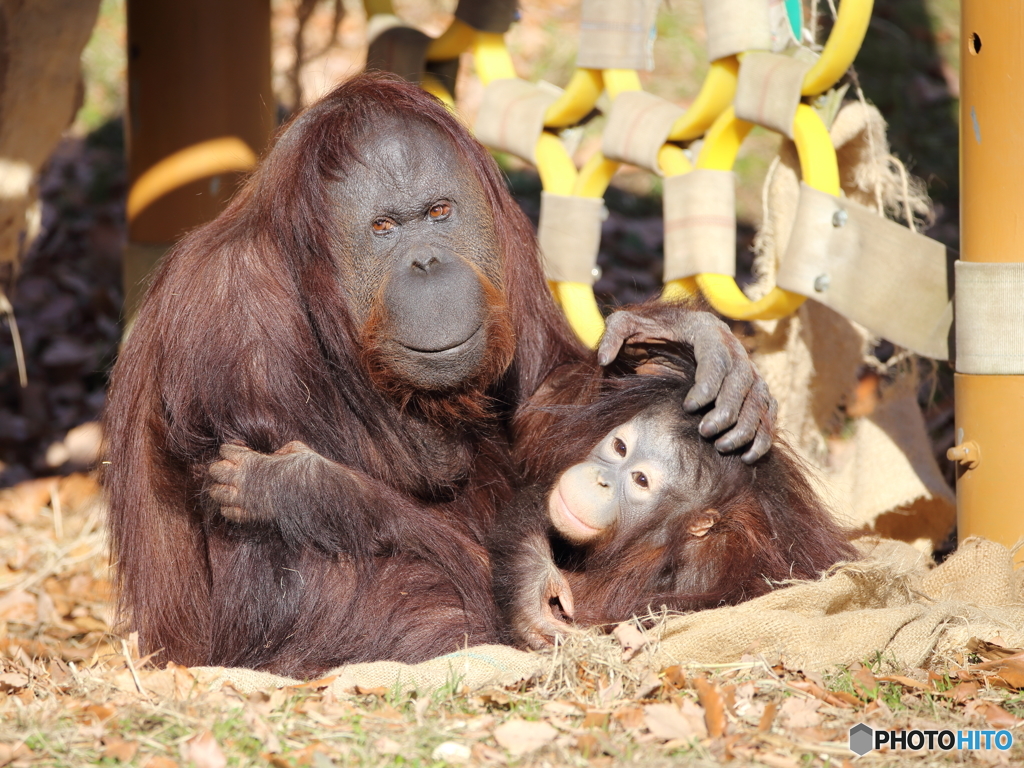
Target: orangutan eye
[
  {"x": 640, "y": 479},
  {"x": 619, "y": 446},
  {"x": 382, "y": 225},
  {"x": 440, "y": 211}
]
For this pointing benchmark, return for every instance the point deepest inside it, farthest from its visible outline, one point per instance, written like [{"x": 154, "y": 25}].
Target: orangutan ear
[{"x": 701, "y": 523}]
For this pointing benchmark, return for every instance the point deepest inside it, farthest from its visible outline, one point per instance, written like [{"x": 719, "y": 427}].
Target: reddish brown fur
[{"x": 245, "y": 336}]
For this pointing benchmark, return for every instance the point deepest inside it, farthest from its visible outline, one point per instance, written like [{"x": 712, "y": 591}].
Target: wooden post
[
  {"x": 200, "y": 110},
  {"x": 990, "y": 408}
]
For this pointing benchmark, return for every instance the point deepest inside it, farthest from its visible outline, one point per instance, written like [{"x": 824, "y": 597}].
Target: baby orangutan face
[{"x": 619, "y": 484}]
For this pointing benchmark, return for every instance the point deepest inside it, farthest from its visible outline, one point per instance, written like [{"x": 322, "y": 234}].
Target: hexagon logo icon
[{"x": 862, "y": 739}]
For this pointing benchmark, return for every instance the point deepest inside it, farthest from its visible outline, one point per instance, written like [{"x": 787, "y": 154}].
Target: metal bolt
[
  {"x": 839, "y": 218},
  {"x": 821, "y": 283}
]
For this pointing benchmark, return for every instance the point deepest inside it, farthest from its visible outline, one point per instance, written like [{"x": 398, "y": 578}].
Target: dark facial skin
[{"x": 421, "y": 237}]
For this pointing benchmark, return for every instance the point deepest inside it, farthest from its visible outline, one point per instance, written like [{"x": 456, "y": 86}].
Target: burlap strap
[
  {"x": 511, "y": 116},
  {"x": 735, "y": 26},
  {"x": 396, "y": 47},
  {"x": 700, "y": 224},
  {"x": 989, "y": 318},
  {"x": 768, "y": 90},
  {"x": 638, "y": 126},
  {"x": 871, "y": 270},
  {"x": 570, "y": 236},
  {"x": 617, "y": 34},
  {"x": 487, "y": 15}
]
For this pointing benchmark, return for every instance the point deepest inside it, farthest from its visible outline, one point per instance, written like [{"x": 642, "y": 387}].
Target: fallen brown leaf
[
  {"x": 776, "y": 761},
  {"x": 561, "y": 709},
  {"x": 668, "y": 721},
  {"x": 800, "y": 712},
  {"x": 650, "y": 683},
  {"x": 965, "y": 691},
  {"x": 380, "y": 690},
  {"x": 494, "y": 696},
  {"x": 865, "y": 682},
  {"x": 13, "y": 680},
  {"x": 100, "y": 711},
  {"x": 588, "y": 744},
  {"x": 487, "y": 755},
  {"x": 205, "y": 752},
  {"x": 596, "y": 718},
  {"x": 770, "y": 710},
  {"x": 991, "y": 651},
  {"x": 520, "y": 737},
  {"x": 629, "y": 716},
  {"x": 11, "y": 752},
  {"x": 120, "y": 750},
  {"x": 907, "y": 682},
  {"x": 710, "y": 697},
  {"x": 162, "y": 762},
  {"x": 308, "y": 754},
  {"x": 992, "y": 713},
  {"x": 630, "y": 638},
  {"x": 18, "y": 605},
  {"x": 1009, "y": 670},
  {"x": 174, "y": 682},
  {"x": 675, "y": 676},
  {"x": 835, "y": 698}
]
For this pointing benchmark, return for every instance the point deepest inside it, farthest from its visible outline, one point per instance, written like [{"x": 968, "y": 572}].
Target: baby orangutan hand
[{"x": 536, "y": 620}]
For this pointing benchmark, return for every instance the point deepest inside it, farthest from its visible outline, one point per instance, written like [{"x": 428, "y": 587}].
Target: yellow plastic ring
[
  {"x": 578, "y": 99},
  {"x": 577, "y": 299},
  {"x": 453, "y": 41},
  {"x": 820, "y": 170},
  {"x": 715, "y": 96},
  {"x": 228, "y": 154},
  {"x": 841, "y": 47}
]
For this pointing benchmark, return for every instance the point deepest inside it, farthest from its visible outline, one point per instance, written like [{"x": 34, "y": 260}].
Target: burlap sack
[
  {"x": 883, "y": 478},
  {"x": 891, "y": 603},
  {"x": 469, "y": 669}
]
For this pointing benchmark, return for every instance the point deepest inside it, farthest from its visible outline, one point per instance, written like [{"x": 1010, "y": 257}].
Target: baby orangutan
[{"x": 631, "y": 509}]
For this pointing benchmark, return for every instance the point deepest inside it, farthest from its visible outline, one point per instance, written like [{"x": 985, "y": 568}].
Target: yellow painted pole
[
  {"x": 200, "y": 111},
  {"x": 989, "y": 408}
]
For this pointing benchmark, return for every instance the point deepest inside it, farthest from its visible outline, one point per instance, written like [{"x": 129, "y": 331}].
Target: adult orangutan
[{"x": 359, "y": 330}]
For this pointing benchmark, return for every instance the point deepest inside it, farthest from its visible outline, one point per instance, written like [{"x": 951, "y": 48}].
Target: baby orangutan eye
[
  {"x": 382, "y": 225},
  {"x": 640, "y": 479},
  {"x": 440, "y": 211},
  {"x": 619, "y": 446}
]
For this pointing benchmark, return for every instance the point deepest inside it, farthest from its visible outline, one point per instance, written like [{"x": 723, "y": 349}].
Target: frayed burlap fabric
[
  {"x": 881, "y": 477},
  {"x": 892, "y": 604},
  {"x": 469, "y": 669}
]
